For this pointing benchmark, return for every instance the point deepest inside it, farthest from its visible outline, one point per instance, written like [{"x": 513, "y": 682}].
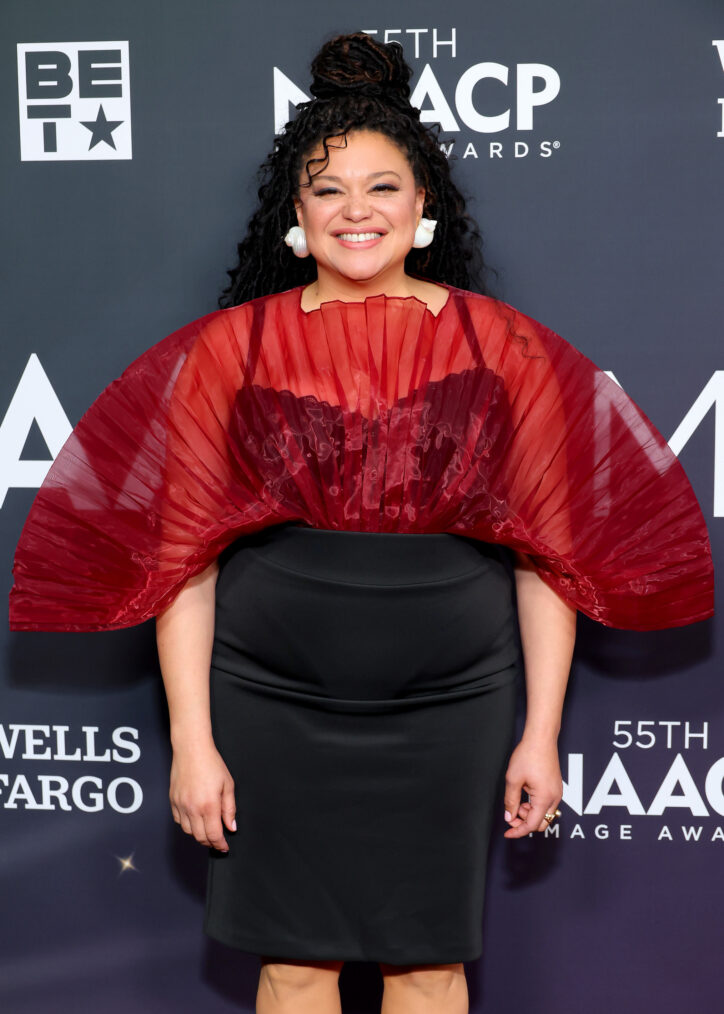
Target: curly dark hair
[{"x": 358, "y": 84}]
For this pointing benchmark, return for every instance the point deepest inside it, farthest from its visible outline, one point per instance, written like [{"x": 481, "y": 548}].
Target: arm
[
  {"x": 201, "y": 790},
  {"x": 547, "y": 630}
]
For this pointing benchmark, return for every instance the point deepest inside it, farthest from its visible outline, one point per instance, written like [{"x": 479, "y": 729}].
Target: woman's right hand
[{"x": 202, "y": 795}]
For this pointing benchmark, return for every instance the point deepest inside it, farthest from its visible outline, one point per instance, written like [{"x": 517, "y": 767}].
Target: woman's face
[{"x": 366, "y": 190}]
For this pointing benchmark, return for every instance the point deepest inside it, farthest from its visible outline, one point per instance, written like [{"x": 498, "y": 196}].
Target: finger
[
  {"x": 175, "y": 813},
  {"x": 228, "y": 806},
  {"x": 531, "y": 822},
  {"x": 516, "y": 824},
  {"x": 198, "y": 829},
  {"x": 512, "y": 799},
  {"x": 521, "y": 824},
  {"x": 534, "y": 817},
  {"x": 197, "y": 822},
  {"x": 215, "y": 833},
  {"x": 521, "y": 815},
  {"x": 187, "y": 823},
  {"x": 544, "y": 824}
]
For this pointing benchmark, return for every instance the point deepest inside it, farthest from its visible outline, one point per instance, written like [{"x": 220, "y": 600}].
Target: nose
[{"x": 356, "y": 207}]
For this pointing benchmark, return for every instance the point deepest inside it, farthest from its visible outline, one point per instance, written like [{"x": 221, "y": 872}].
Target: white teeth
[{"x": 358, "y": 237}]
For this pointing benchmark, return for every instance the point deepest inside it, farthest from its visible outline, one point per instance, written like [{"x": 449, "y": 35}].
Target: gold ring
[{"x": 551, "y": 816}]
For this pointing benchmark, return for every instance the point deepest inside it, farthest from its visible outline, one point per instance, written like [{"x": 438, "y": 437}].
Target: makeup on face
[{"x": 360, "y": 211}]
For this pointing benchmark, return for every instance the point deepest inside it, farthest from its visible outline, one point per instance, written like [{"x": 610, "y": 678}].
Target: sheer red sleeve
[
  {"x": 144, "y": 492},
  {"x": 586, "y": 485}
]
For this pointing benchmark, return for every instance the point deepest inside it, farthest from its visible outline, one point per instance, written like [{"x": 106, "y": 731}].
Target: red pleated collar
[{"x": 382, "y": 299}]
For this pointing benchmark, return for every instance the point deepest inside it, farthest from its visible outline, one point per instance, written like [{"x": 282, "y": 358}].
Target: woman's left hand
[{"x": 534, "y": 768}]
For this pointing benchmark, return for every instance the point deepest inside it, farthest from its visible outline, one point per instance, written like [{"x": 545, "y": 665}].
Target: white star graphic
[{"x": 126, "y": 863}]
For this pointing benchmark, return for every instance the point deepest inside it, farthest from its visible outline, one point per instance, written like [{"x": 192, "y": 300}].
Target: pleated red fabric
[{"x": 373, "y": 416}]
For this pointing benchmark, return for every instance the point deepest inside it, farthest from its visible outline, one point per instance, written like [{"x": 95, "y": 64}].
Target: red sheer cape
[{"x": 369, "y": 416}]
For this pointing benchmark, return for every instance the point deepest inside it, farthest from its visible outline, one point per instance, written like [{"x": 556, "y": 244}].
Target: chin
[
  {"x": 362, "y": 272},
  {"x": 361, "y": 276}
]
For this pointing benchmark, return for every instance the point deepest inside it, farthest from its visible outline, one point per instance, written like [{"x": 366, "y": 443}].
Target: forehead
[{"x": 366, "y": 152}]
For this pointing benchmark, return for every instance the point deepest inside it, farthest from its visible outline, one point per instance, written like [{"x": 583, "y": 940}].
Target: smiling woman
[
  {"x": 370, "y": 211},
  {"x": 363, "y": 502},
  {"x": 361, "y": 97},
  {"x": 360, "y": 216}
]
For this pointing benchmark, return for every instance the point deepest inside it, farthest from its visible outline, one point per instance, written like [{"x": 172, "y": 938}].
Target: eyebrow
[{"x": 337, "y": 179}]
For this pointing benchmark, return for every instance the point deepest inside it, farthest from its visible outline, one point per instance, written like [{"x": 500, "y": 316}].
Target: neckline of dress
[{"x": 381, "y": 295}]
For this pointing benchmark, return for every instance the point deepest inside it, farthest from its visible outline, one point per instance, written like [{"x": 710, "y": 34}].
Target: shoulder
[
  {"x": 489, "y": 312},
  {"x": 494, "y": 307},
  {"x": 494, "y": 320},
  {"x": 237, "y": 322},
  {"x": 287, "y": 300},
  {"x": 478, "y": 303},
  {"x": 481, "y": 307}
]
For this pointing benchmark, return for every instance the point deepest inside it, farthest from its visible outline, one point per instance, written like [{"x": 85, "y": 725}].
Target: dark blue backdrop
[{"x": 601, "y": 203}]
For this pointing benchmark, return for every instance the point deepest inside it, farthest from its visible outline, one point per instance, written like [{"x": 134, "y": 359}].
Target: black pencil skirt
[{"x": 363, "y": 690}]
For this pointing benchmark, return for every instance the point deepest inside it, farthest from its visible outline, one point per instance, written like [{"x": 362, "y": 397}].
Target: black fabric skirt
[{"x": 363, "y": 691}]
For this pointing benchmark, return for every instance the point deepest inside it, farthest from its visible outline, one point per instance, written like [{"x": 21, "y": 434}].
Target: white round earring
[
  {"x": 424, "y": 232},
  {"x": 296, "y": 238}
]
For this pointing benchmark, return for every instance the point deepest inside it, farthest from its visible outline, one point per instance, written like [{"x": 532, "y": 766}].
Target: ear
[
  {"x": 298, "y": 209},
  {"x": 420, "y": 195}
]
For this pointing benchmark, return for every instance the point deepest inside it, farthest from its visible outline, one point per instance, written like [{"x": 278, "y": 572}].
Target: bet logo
[{"x": 74, "y": 101}]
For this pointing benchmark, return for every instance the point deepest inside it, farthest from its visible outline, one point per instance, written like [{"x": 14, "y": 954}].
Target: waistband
[{"x": 395, "y": 557}]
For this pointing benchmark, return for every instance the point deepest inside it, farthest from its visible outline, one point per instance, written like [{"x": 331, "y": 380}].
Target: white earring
[
  {"x": 424, "y": 232},
  {"x": 296, "y": 238}
]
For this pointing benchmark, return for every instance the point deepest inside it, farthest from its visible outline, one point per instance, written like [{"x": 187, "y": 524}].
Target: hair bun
[{"x": 357, "y": 64}]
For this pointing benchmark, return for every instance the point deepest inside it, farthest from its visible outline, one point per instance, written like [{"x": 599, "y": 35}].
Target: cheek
[
  {"x": 316, "y": 220},
  {"x": 409, "y": 214}
]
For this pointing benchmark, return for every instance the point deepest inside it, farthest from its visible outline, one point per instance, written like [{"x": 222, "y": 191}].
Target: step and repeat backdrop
[{"x": 590, "y": 141}]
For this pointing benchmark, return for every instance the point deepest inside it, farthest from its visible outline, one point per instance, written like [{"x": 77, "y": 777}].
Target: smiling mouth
[{"x": 358, "y": 237}]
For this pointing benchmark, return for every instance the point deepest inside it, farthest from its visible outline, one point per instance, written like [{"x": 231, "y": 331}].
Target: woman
[{"x": 362, "y": 502}]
